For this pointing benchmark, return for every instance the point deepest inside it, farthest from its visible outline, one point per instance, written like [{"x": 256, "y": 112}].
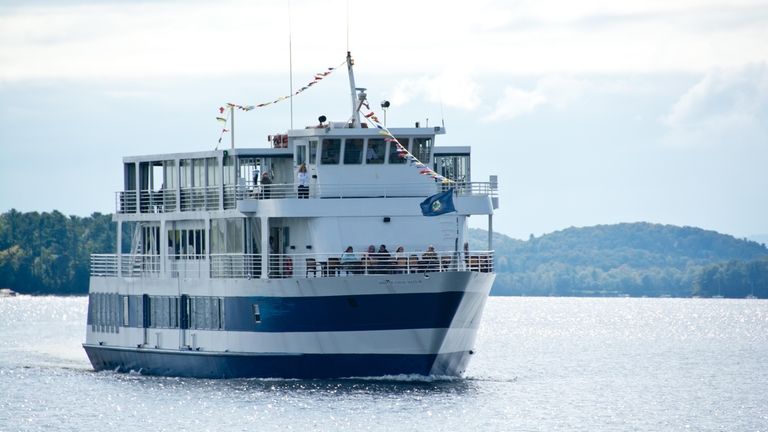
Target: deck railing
[
  {"x": 246, "y": 266},
  {"x": 208, "y": 198}
]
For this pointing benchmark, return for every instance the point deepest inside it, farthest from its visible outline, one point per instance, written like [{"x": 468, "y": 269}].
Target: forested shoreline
[
  {"x": 629, "y": 259},
  {"x": 48, "y": 253}
]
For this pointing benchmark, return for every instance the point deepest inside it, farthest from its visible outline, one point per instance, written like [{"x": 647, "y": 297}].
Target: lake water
[{"x": 542, "y": 364}]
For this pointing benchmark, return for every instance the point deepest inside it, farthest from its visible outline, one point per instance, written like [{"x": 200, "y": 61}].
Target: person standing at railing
[
  {"x": 303, "y": 181},
  {"x": 266, "y": 183}
]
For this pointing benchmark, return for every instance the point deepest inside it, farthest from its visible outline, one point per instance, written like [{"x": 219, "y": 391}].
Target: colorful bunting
[{"x": 317, "y": 77}]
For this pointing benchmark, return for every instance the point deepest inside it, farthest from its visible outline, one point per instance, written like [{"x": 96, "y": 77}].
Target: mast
[
  {"x": 353, "y": 90},
  {"x": 232, "y": 125}
]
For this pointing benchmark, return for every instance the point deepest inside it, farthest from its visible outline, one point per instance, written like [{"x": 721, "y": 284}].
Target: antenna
[
  {"x": 442, "y": 116},
  {"x": 290, "y": 60},
  {"x": 347, "y": 25},
  {"x": 355, "y": 120}
]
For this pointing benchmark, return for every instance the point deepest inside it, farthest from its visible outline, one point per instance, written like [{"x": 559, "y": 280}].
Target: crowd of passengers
[{"x": 381, "y": 261}]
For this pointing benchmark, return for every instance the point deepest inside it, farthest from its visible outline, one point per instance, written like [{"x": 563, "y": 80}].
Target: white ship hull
[{"x": 372, "y": 325}]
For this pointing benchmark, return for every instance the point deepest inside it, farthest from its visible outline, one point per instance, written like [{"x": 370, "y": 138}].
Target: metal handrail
[
  {"x": 208, "y": 198},
  {"x": 246, "y": 266}
]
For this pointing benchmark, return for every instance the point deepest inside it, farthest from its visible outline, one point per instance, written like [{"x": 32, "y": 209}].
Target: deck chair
[
  {"x": 311, "y": 267},
  {"x": 333, "y": 267}
]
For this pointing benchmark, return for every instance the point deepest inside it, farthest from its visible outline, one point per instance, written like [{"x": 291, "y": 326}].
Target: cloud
[
  {"x": 452, "y": 89},
  {"x": 88, "y": 39},
  {"x": 726, "y": 105},
  {"x": 554, "y": 91}
]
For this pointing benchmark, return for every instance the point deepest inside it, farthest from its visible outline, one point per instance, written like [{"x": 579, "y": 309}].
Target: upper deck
[{"x": 341, "y": 163}]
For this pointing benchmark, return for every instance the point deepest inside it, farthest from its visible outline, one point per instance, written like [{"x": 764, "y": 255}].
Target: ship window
[
  {"x": 213, "y": 171},
  {"x": 353, "y": 151},
  {"x": 312, "y": 152},
  {"x": 301, "y": 154},
  {"x": 229, "y": 170},
  {"x": 422, "y": 148},
  {"x": 164, "y": 312},
  {"x": 330, "y": 151},
  {"x": 186, "y": 173},
  {"x": 126, "y": 313},
  {"x": 104, "y": 312},
  {"x": 206, "y": 313},
  {"x": 394, "y": 157},
  {"x": 198, "y": 172},
  {"x": 375, "y": 152},
  {"x": 455, "y": 167},
  {"x": 169, "y": 175},
  {"x": 256, "y": 314}
]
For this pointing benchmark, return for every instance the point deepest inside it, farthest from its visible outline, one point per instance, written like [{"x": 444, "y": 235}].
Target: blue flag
[{"x": 438, "y": 204}]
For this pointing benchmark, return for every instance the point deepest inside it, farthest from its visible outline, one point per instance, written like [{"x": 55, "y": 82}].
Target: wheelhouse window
[
  {"x": 331, "y": 150},
  {"x": 312, "y": 152},
  {"x": 454, "y": 167},
  {"x": 376, "y": 151},
  {"x": 353, "y": 151},
  {"x": 422, "y": 149},
  {"x": 301, "y": 154},
  {"x": 394, "y": 157}
]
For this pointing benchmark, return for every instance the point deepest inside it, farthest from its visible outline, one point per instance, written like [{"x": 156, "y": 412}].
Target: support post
[
  {"x": 163, "y": 248},
  {"x": 232, "y": 125},
  {"x": 264, "y": 247},
  {"x": 490, "y": 232},
  {"x": 119, "y": 248}
]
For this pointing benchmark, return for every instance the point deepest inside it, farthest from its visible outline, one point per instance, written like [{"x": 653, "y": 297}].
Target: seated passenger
[
  {"x": 369, "y": 259},
  {"x": 429, "y": 261},
  {"x": 401, "y": 260},
  {"x": 349, "y": 261},
  {"x": 383, "y": 260}
]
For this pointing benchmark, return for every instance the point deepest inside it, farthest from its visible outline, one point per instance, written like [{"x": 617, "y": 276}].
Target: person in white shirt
[{"x": 303, "y": 180}]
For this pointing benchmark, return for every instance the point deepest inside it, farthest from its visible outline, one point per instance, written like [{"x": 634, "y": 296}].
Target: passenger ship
[{"x": 221, "y": 275}]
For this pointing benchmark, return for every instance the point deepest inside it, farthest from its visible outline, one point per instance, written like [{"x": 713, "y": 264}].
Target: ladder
[{"x": 137, "y": 248}]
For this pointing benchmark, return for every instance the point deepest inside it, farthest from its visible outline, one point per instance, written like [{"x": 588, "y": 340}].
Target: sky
[{"x": 590, "y": 112}]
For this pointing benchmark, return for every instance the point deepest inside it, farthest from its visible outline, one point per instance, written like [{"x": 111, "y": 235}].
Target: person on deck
[
  {"x": 369, "y": 259},
  {"x": 429, "y": 261},
  {"x": 266, "y": 185},
  {"x": 349, "y": 261},
  {"x": 383, "y": 260},
  {"x": 303, "y": 179},
  {"x": 400, "y": 260}
]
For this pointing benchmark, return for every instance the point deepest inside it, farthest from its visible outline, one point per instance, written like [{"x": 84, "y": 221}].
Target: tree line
[
  {"x": 49, "y": 253},
  {"x": 635, "y": 259}
]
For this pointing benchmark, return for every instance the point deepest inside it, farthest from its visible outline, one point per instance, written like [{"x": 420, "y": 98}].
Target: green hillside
[{"x": 629, "y": 259}]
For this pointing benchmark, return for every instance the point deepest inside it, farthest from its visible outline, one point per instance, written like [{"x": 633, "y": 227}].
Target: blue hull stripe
[
  {"x": 338, "y": 313},
  {"x": 302, "y": 366},
  {"x": 343, "y": 313}
]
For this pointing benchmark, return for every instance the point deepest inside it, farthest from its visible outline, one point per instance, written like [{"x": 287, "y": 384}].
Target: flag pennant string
[
  {"x": 317, "y": 77},
  {"x": 402, "y": 152}
]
